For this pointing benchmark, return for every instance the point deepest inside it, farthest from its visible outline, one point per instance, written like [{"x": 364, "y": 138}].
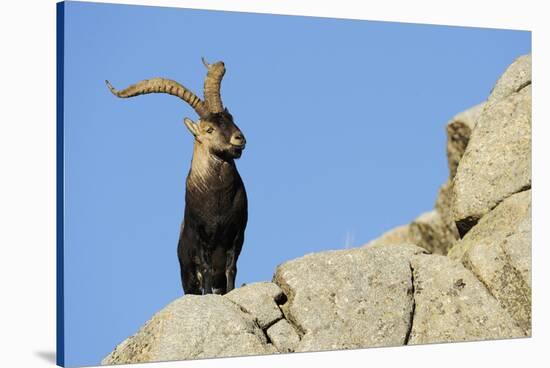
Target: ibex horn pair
[{"x": 212, "y": 100}]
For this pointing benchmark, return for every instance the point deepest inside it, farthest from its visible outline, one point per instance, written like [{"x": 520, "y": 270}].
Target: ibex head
[{"x": 215, "y": 130}]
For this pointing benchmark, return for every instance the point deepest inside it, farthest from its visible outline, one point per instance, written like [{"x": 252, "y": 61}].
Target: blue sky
[{"x": 345, "y": 124}]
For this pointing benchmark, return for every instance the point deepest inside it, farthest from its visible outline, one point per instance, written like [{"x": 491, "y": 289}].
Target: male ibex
[{"x": 212, "y": 232}]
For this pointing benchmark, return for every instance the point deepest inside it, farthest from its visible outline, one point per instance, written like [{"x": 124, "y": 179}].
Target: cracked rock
[
  {"x": 497, "y": 160},
  {"x": 283, "y": 336},
  {"x": 498, "y": 251},
  {"x": 516, "y": 77},
  {"x": 260, "y": 300},
  {"x": 451, "y": 304},
  {"x": 193, "y": 327},
  {"x": 350, "y": 298}
]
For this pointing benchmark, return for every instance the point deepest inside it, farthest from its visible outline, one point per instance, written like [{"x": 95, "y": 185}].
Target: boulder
[
  {"x": 459, "y": 129},
  {"x": 283, "y": 336},
  {"x": 452, "y": 305},
  {"x": 193, "y": 327},
  {"x": 349, "y": 298},
  {"x": 497, "y": 160},
  {"x": 364, "y": 297},
  {"x": 260, "y": 300},
  {"x": 498, "y": 251},
  {"x": 516, "y": 77},
  {"x": 430, "y": 232}
]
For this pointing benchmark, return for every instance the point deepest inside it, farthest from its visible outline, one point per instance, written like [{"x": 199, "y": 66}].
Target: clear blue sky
[{"x": 345, "y": 123}]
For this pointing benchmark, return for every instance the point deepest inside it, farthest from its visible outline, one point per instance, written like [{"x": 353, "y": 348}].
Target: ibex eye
[{"x": 209, "y": 130}]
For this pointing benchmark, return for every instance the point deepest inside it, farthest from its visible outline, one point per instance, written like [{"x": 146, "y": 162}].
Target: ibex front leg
[
  {"x": 206, "y": 270},
  {"x": 231, "y": 261},
  {"x": 230, "y": 270}
]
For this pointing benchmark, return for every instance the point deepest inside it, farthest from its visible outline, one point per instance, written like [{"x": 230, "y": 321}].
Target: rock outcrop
[
  {"x": 423, "y": 282},
  {"x": 451, "y": 304},
  {"x": 194, "y": 327},
  {"x": 459, "y": 130},
  {"x": 514, "y": 79},
  {"x": 497, "y": 161},
  {"x": 489, "y": 159},
  {"x": 364, "y": 297},
  {"x": 430, "y": 232},
  {"x": 260, "y": 300},
  {"x": 349, "y": 298},
  {"x": 498, "y": 251}
]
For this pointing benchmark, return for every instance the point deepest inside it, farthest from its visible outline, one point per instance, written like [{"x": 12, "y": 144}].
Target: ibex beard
[{"x": 216, "y": 208}]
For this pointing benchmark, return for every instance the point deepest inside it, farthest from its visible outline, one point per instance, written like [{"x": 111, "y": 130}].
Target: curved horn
[
  {"x": 212, "y": 85},
  {"x": 161, "y": 85}
]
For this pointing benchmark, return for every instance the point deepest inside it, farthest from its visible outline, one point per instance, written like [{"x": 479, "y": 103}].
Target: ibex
[{"x": 216, "y": 209}]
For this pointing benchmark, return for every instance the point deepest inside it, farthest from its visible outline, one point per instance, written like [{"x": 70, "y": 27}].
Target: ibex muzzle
[{"x": 216, "y": 209}]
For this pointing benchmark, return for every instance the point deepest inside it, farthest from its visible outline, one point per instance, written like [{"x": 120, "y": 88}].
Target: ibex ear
[{"x": 193, "y": 127}]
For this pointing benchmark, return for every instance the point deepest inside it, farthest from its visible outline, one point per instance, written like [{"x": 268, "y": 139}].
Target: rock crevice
[{"x": 413, "y": 308}]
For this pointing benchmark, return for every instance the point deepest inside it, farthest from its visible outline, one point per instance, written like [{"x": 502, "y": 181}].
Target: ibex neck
[{"x": 208, "y": 171}]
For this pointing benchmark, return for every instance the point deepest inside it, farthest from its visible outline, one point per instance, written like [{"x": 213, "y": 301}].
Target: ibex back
[{"x": 212, "y": 232}]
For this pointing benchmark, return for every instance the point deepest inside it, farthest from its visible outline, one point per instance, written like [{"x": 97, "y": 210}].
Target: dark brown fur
[{"x": 212, "y": 232}]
